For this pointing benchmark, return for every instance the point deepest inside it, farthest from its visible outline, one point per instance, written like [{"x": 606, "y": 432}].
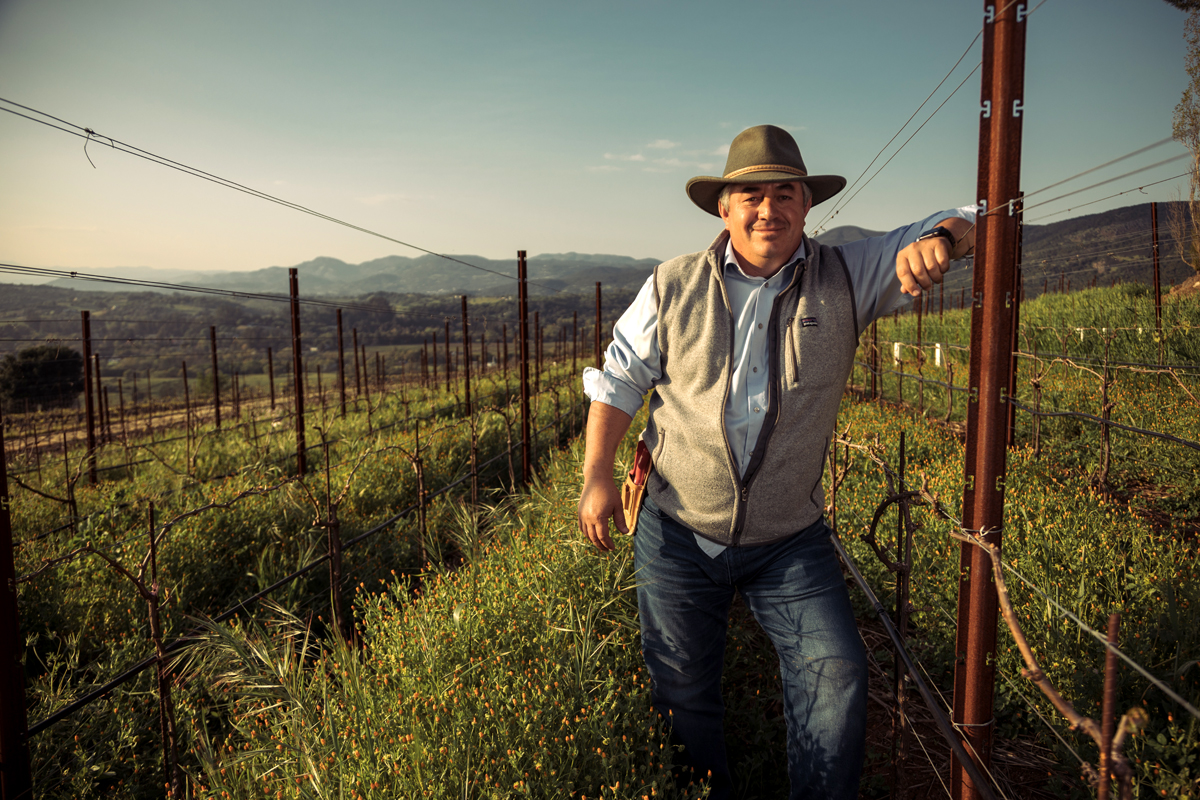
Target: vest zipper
[{"x": 765, "y": 435}]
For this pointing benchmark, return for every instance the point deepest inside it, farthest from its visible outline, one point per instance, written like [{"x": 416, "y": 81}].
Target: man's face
[{"x": 766, "y": 223}]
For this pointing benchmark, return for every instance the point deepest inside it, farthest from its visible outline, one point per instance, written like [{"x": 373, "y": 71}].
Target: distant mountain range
[{"x": 1110, "y": 245}]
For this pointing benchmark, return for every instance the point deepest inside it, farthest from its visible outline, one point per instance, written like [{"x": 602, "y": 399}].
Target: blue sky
[{"x": 483, "y": 128}]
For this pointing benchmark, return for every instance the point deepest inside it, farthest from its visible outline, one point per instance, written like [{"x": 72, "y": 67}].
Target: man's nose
[{"x": 766, "y": 209}]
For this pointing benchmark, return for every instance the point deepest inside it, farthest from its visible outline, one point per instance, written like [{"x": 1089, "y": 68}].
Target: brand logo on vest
[{"x": 808, "y": 322}]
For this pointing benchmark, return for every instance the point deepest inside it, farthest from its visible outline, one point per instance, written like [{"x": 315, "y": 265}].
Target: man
[{"x": 748, "y": 346}]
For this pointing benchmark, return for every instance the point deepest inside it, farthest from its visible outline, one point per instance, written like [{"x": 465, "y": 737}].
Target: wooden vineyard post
[
  {"x": 89, "y": 407},
  {"x": 920, "y": 357},
  {"x": 187, "y": 404},
  {"x": 341, "y": 363},
  {"x": 985, "y": 461},
  {"x": 1015, "y": 345},
  {"x": 470, "y": 411},
  {"x": 574, "y": 340},
  {"x": 504, "y": 348},
  {"x": 354, "y": 352},
  {"x": 599, "y": 363},
  {"x": 537, "y": 353},
  {"x": 876, "y": 389},
  {"x": 523, "y": 314},
  {"x": 212, "y": 333},
  {"x": 97, "y": 384},
  {"x": 1158, "y": 335},
  {"x": 419, "y": 467},
  {"x": 1109, "y": 708},
  {"x": 1105, "y": 412},
  {"x": 297, "y": 371},
  {"x": 448, "y": 389},
  {"x": 333, "y": 541},
  {"x": 271, "y": 376},
  {"x": 16, "y": 778},
  {"x": 166, "y": 706},
  {"x": 366, "y": 384},
  {"x": 121, "y": 408}
]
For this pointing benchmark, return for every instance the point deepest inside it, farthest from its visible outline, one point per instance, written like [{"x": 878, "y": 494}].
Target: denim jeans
[{"x": 796, "y": 592}]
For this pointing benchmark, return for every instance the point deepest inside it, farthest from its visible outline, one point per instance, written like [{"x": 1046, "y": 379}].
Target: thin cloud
[
  {"x": 379, "y": 199},
  {"x": 634, "y": 157},
  {"x": 662, "y": 144},
  {"x": 604, "y": 168}
]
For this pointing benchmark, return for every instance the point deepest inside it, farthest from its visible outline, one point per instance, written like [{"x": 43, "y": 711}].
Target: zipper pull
[{"x": 745, "y": 493}]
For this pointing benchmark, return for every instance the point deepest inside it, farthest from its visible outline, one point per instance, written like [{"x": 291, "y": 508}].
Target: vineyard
[
  {"x": 246, "y": 557},
  {"x": 369, "y": 630}
]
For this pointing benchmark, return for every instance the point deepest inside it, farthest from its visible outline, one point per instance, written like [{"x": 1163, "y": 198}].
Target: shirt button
[
  {"x": 760, "y": 326},
  {"x": 757, "y": 409},
  {"x": 756, "y": 369}
]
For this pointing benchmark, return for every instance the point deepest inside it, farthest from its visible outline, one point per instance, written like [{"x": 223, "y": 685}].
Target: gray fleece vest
[{"x": 813, "y": 337}]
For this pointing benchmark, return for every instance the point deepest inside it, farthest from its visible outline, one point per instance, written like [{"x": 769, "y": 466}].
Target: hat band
[{"x": 767, "y": 168}]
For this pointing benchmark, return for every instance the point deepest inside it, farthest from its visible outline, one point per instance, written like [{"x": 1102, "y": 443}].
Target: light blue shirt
[{"x": 633, "y": 362}]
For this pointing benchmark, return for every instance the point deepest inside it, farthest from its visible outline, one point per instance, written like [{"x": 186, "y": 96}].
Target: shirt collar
[{"x": 801, "y": 254}]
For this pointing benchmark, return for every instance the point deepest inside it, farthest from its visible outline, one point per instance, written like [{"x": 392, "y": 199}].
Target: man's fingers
[{"x": 921, "y": 265}]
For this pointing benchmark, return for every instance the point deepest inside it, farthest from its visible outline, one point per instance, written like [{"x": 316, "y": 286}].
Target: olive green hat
[{"x": 762, "y": 154}]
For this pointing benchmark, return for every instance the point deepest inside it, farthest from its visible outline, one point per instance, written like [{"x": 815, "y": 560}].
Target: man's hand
[
  {"x": 922, "y": 264},
  {"x": 599, "y": 502}
]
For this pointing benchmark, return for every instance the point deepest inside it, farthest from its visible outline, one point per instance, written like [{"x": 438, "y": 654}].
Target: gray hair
[{"x": 723, "y": 198}]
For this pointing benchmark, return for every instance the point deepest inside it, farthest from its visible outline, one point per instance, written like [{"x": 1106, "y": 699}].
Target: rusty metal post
[
  {"x": 467, "y": 398},
  {"x": 271, "y": 375},
  {"x": 448, "y": 389},
  {"x": 149, "y": 406},
  {"x": 89, "y": 405},
  {"x": 354, "y": 348},
  {"x": 904, "y": 559},
  {"x": 433, "y": 376},
  {"x": 921, "y": 357},
  {"x": 187, "y": 403},
  {"x": 504, "y": 348},
  {"x": 991, "y": 339},
  {"x": 16, "y": 778},
  {"x": 1010, "y": 422},
  {"x": 1109, "y": 708},
  {"x": 341, "y": 363},
  {"x": 599, "y": 363},
  {"x": 212, "y": 336},
  {"x": 366, "y": 378},
  {"x": 297, "y": 371},
  {"x": 523, "y": 313},
  {"x": 876, "y": 392},
  {"x": 1157, "y": 283},
  {"x": 537, "y": 352},
  {"x": 98, "y": 384}
]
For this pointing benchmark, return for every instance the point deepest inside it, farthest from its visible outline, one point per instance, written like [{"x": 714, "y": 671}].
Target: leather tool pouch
[{"x": 634, "y": 488}]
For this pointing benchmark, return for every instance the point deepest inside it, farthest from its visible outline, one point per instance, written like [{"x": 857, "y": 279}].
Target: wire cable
[
  {"x": 116, "y": 144},
  {"x": 1110, "y": 197},
  {"x": 842, "y": 201},
  {"x": 1117, "y": 160}
]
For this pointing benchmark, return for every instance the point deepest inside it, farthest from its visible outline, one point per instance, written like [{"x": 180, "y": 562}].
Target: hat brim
[{"x": 705, "y": 190}]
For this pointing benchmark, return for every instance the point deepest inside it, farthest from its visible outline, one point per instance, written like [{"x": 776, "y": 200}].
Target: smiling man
[{"x": 748, "y": 345}]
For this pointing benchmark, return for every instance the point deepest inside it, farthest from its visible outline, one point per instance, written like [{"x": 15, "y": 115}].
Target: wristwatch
[{"x": 941, "y": 231}]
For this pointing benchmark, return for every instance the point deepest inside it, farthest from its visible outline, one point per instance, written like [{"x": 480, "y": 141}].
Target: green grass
[{"x": 84, "y": 622}]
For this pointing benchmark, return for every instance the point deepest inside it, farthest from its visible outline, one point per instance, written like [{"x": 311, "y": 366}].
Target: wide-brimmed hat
[{"x": 762, "y": 154}]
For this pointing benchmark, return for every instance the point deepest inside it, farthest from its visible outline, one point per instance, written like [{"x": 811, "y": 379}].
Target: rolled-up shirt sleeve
[{"x": 633, "y": 362}]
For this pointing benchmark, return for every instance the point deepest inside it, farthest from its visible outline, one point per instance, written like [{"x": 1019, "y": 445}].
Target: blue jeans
[{"x": 796, "y": 592}]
